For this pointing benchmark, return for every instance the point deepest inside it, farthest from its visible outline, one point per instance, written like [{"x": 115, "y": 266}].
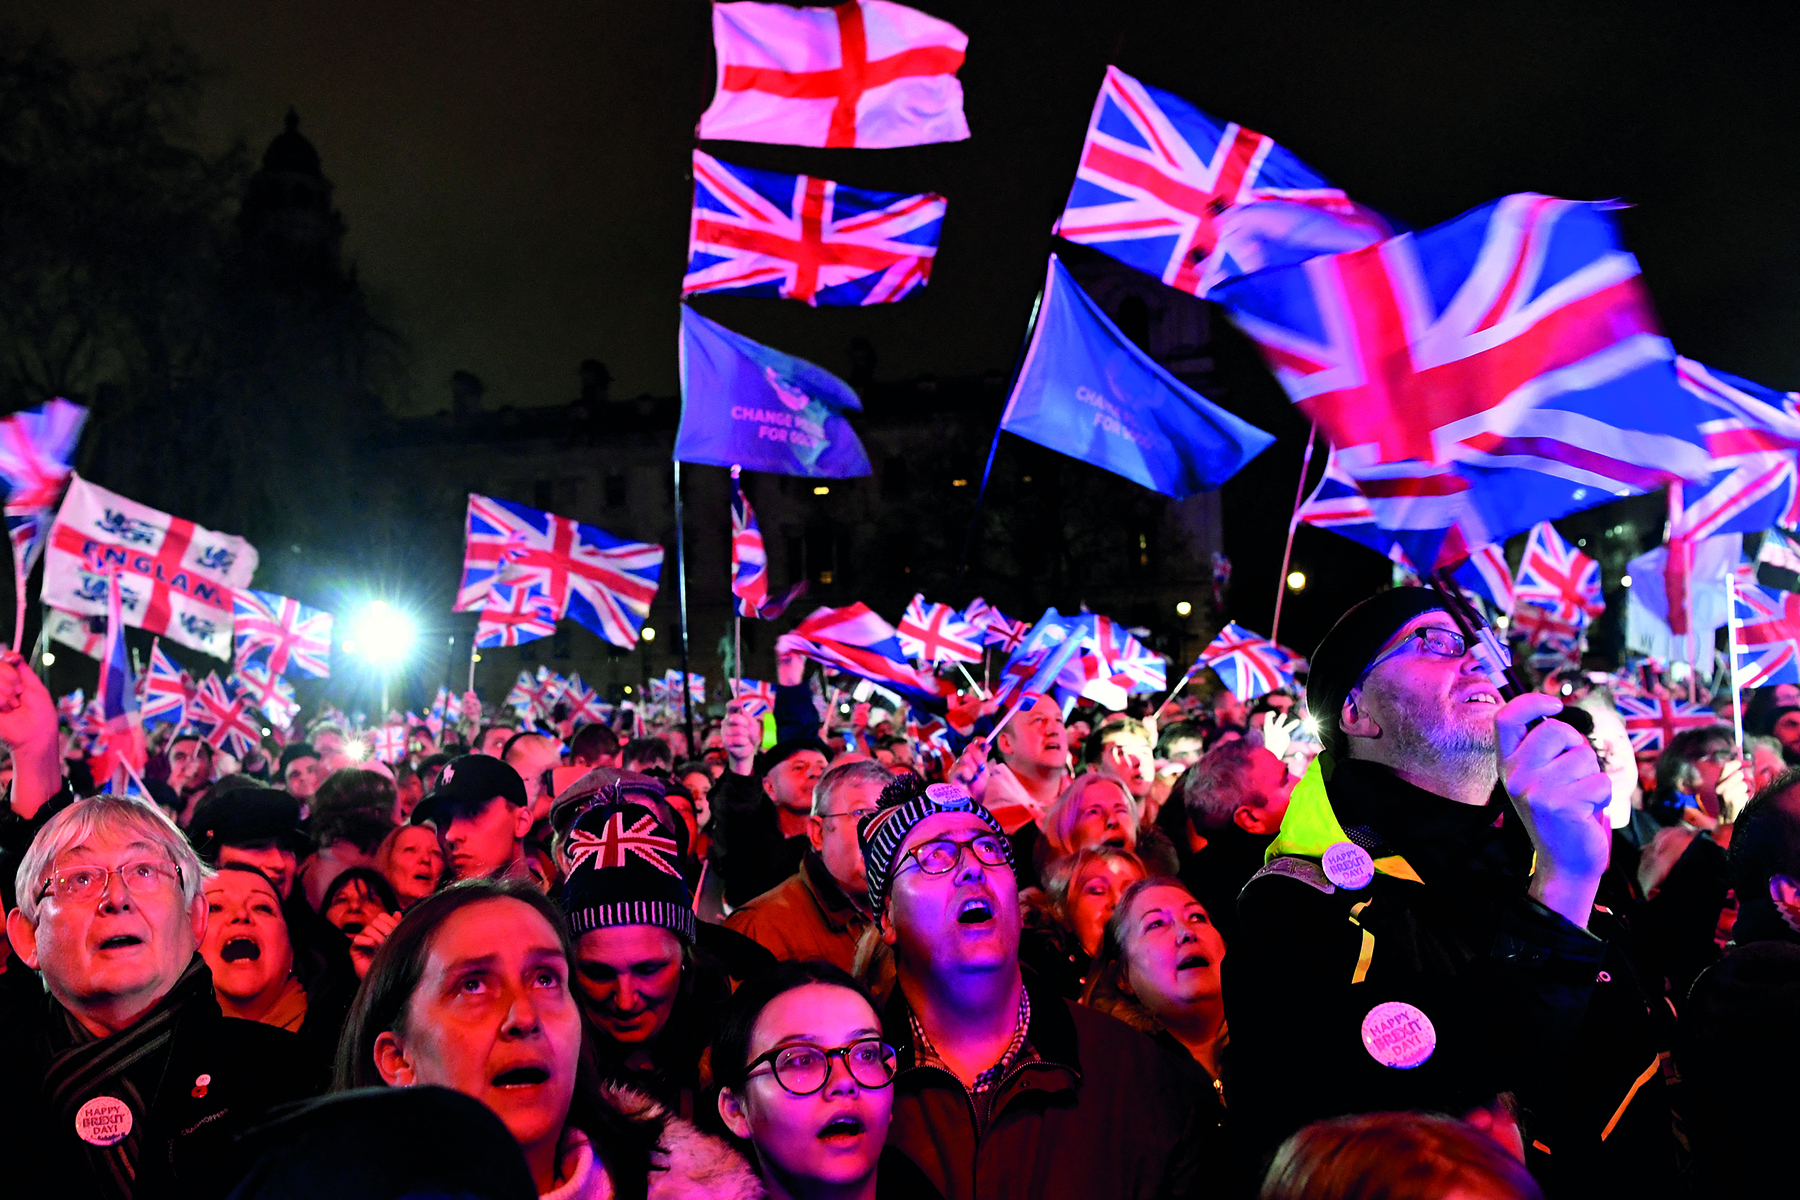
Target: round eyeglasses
[
  {"x": 79, "y": 885},
  {"x": 803, "y": 1070},
  {"x": 940, "y": 857}
]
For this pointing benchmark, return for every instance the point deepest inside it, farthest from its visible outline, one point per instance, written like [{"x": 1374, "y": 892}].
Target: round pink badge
[
  {"x": 1348, "y": 865},
  {"x": 103, "y": 1121},
  {"x": 1398, "y": 1035}
]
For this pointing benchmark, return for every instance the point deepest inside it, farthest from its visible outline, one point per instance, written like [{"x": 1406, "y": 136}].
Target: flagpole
[
  {"x": 1312, "y": 433},
  {"x": 737, "y": 616},
  {"x": 473, "y": 655},
  {"x": 971, "y": 679},
  {"x": 19, "y": 582},
  {"x": 1170, "y": 699},
  {"x": 1731, "y": 643},
  {"x": 962, "y": 567},
  {"x": 687, "y": 704}
]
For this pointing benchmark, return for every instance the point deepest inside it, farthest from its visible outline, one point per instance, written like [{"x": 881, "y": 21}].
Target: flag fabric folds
[
  {"x": 268, "y": 692},
  {"x": 1753, "y": 434},
  {"x": 743, "y": 403},
  {"x": 513, "y": 614},
  {"x": 1247, "y": 664},
  {"x": 224, "y": 716},
  {"x": 1557, "y": 576},
  {"x": 279, "y": 632},
  {"x": 798, "y": 237},
  {"x": 1648, "y": 628},
  {"x": 935, "y": 633},
  {"x": 1778, "y": 561},
  {"x": 122, "y": 749},
  {"x": 603, "y": 582},
  {"x": 1159, "y": 183},
  {"x": 176, "y": 579},
  {"x": 35, "y": 448},
  {"x": 1653, "y": 721},
  {"x": 1498, "y": 370},
  {"x": 167, "y": 690},
  {"x": 757, "y": 697},
  {"x": 86, "y": 634},
  {"x": 868, "y": 73},
  {"x": 855, "y": 640},
  {"x": 1086, "y": 390},
  {"x": 750, "y": 562},
  {"x": 1768, "y": 637}
]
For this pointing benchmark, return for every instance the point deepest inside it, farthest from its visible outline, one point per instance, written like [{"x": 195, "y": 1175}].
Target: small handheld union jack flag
[
  {"x": 390, "y": 743},
  {"x": 167, "y": 690},
  {"x": 526, "y": 693},
  {"x": 1653, "y": 721},
  {"x": 1768, "y": 636},
  {"x": 585, "y": 705},
  {"x": 750, "y": 562},
  {"x": 757, "y": 697},
  {"x": 1556, "y": 576},
  {"x": 225, "y": 717},
  {"x": 69, "y": 707},
  {"x": 35, "y": 448},
  {"x": 1004, "y": 632},
  {"x": 279, "y": 631},
  {"x": 268, "y": 692},
  {"x": 936, "y": 633},
  {"x": 1247, "y": 664}
]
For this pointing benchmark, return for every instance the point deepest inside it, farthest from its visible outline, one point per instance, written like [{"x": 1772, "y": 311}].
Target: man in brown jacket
[{"x": 820, "y": 911}]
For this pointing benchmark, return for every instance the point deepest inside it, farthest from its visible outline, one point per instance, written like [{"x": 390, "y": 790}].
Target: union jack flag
[
  {"x": 268, "y": 692},
  {"x": 1003, "y": 631},
  {"x": 1653, "y": 721},
  {"x": 1541, "y": 626},
  {"x": 1768, "y": 635},
  {"x": 167, "y": 690},
  {"x": 1556, "y": 576},
  {"x": 935, "y": 633},
  {"x": 35, "y": 448},
  {"x": 1221, "y": 578},
  {"x": 590, "y": 576},
  {"x": 585, "y": 705},
  {"x": 1127, "y": 661},
  {"x": 1485, "y": 577},
  {"x": 223, "y": 716},
  {"x": 1498, "y": 370},
  {"x": 1337, "y": 503},
  {"x": 389, "y": 743},
  {"x": 279, "y": 631},
  {"x": 69, "y": 707},
  {"x": 750, "y": 562},
  {"x": 527, "y": 692},
  {"x": 555, "y": 688},
  {"x": 434, "y": 716},
  {"x": 764, "y": 233},
  {"x": 1247, "y": 664},
  {"x": 696, "y": 685},
  {"x": 513, "y": 614},
  {"x": 610, "y": 847},
  {"x": 1056, "y": 657},
  {"x": 855, "y": 640},
  {"x": 758, "y": 697},
  {"x": 1157, "y": 175},
  {"x": 1753, "y": 437}
]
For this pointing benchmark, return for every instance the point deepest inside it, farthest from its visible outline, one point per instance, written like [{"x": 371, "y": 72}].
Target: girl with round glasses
[{"x": 806, "y": 1077}]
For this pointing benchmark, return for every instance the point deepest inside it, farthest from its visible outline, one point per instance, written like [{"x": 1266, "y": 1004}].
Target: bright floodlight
[
  {"x": 648, "y": 633},
  {"x": 1183, "y": 608},
  {"x": 381, "y": 633}
]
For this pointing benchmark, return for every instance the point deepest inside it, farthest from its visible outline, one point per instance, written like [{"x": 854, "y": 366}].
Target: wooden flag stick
[{"x": 1287, "y": 554}]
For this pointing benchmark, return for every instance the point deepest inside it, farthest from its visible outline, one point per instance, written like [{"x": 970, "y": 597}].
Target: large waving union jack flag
[
  {"x": 225, "y": 717},
  {"x": 279, "y": 632},
  {"x": 856, "y": 640},
  {"x": 934, "y": 633},
  {"x": 797, "y": 237},
  {"x": 515, "y": 613},
  {"x": 267, "y": 691},
  {"x": 1768, "y": 636},
  {"x": 1497, "y": 370},
  {"x": 1753, "y": 436},
  {"x": 590, "y": 576},
  {"x": 1653, "y": 721},
  {"x": 1556, "y": 576},
  {"x": 35, "y": 449},
  {"x": 1157, "y": 175},
  {"x": 1248, "y": 664}
]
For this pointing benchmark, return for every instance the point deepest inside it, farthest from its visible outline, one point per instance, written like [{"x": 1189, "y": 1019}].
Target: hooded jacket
[{"x": 1518, "y": 999}]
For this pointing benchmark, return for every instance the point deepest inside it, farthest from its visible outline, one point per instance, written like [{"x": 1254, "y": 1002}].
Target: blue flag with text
[
  {"x": 743, "y": 404},
  {"x": 1086, "y": 390}
]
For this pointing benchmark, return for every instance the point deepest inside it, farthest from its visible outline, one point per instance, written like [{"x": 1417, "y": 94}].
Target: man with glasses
[
  {"x": 1424, "y": 936},
  {"x": 1005, "y": 1090},
  {"x": 125, "y": 1080},
  {"x": 821, "y": 910}
]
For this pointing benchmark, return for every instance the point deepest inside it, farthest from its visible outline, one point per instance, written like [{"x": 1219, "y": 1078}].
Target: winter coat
[
  {"x": 806, "y": 916},
  {"x": 1519, "y": 999},
  {"x": 748, "y": 848},
  {"x": 687, "y": 1165},
  {"x": 1104, "y": 1113}
]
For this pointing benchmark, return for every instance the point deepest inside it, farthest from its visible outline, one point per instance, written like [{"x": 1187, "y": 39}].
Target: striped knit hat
[
  {"x": 621, "y": 865},
  {"x": 904, "y": 803}
]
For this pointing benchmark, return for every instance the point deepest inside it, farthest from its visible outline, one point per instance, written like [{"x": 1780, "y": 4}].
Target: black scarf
[{"x": 128, "y": 1066}]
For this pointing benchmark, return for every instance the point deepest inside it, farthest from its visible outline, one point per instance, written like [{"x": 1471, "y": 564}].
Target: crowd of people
[{"x": 1401, "y": 936}]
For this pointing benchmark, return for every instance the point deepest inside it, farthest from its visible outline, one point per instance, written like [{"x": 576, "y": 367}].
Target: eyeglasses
[
  {"x": 1444, "y": 643},
  {"x": 942, "y": 857},
  {"x": 146, "y": 877},
  {"x": 854, "y": 814},
  {"x": 803, "y": 1070}
]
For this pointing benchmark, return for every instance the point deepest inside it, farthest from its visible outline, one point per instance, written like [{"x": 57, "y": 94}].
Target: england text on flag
[
  {"x": 604, "y": 582},
  {"x": 278, "y": 632},
  {"x": 797, "y": 237},
  {"x": 176, "y": 578},
  {"x": 1158, "y": 177},
  {"x": 1504, "y": 366},
  {"x": 86, "y": 634},
  {"x": 867, "y": 73}
]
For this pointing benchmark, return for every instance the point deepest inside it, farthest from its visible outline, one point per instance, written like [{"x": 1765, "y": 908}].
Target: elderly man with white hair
[{"x": 120, "y": 1073}]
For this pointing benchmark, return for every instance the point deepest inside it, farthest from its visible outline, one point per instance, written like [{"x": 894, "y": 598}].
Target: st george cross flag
[
  {"x": 935, "y": 633},
  {"x": 86, "y": 634},
  {"x": 750, "y": 562},
  {"x": 603, "y": 582},
  {"x": 176, "y": 578},
  {"x": 798, "y": 237},
  {"x": 1247, "y": 664},
  {"x": 279, "y": 631},
  {"x": 867, "y": 73},
  {"x": 857, "y": 641},
  {"x": 1653, "y": 721},
  {"x": 1768, "y": 637},
  {"x": 745, "y": 404},
  {"x": 167, "y": 690},
  {"x": 1086, "y": 390},
  {"x": 757, "y": 697},
  {"x": 35, "y": 449},
  {"x": 1500, "y": 369},
  {"x": 122, "y": 750},
  {"x": 1159, "y": 180},
  {"x": 513, "y": 614},
  {"x": 1555, "y": 575}
]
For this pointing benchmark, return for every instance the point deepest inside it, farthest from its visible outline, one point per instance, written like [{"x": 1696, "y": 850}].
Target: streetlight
[
  {"x": 383, "y": 636},
  {"x": 1296, "y": 581},
  {"x": 1183, "y": 608},
  {"x": 49, "y": 658}
]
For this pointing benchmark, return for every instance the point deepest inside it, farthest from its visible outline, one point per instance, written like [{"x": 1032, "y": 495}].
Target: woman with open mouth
[
  {"x": 473, "y": 992},
  {"x": 807, "y": 1081},
  {"x": 412, "y": 861}
]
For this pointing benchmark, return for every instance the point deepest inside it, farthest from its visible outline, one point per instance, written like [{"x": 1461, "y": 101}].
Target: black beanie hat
[
  {"x": 1342, "y": 659},
  {"x": 621, "y": 865}
]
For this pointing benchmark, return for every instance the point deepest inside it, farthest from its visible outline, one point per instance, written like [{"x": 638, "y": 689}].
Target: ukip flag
[
  {"x": 750, "y": 562},
  {"x": 175, "y": 578},
  {"x": 868, "y": 74},
  {"x": 122, "y": 752},
  {"x": 1086, "y": 390}
]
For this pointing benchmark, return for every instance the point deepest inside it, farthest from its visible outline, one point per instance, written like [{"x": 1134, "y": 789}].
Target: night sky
[{"x": 514, "y": 176}]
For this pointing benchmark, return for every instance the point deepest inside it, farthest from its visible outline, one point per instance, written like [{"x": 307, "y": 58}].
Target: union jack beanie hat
[
  {"x": 904, "y": 803},
  {"x": 621, "y": 865}
]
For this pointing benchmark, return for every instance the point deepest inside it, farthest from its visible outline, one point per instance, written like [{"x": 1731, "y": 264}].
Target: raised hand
[
  {"x": 28, "y": 726},
  {"x": 741, "y": 735},
  {"x": 1560, "y": 793}
]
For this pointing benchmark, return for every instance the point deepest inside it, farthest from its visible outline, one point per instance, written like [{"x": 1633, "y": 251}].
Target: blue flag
[
  {"x": 743, "y": 404},
  {"x": 1087, "y": 391}
]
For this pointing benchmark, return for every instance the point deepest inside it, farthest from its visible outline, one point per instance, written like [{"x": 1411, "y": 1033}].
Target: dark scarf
[{"x": 128, "y": 1066}]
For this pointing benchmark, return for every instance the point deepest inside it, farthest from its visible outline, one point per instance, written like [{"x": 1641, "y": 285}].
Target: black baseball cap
[
  {"x": 468, "y": 782},
  {"x": 247, "y": 816}
]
